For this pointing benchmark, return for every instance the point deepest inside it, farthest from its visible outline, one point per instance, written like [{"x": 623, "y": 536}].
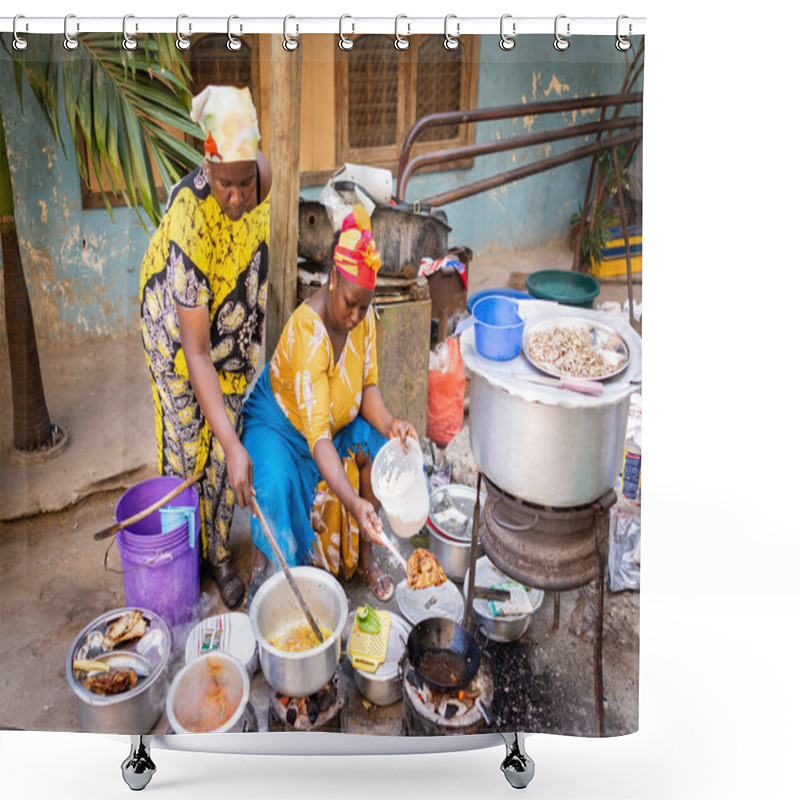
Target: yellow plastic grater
[{"x": 367, "y": 651}]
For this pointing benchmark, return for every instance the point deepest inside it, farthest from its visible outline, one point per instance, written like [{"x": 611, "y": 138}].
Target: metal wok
[{"x": 444, "y": 653}]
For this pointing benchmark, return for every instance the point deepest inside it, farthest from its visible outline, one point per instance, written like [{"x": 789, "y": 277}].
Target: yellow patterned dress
[
  {"x": 198, "y": 257},
  {"x": 302, "y": 397}
]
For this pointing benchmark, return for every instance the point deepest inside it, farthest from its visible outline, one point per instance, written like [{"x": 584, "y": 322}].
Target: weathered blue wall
[{"x": 82, "y": 267}]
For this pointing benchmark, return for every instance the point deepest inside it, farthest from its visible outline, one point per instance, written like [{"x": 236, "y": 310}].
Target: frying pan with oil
[{"x": 444, "y": 653}]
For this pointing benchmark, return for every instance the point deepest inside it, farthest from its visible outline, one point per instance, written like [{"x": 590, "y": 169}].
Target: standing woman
[
  {"x": 316, "y": 419},
  {"x": 203, "y": 292}
]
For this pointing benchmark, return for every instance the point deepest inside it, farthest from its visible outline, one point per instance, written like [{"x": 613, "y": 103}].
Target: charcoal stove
[
  {"x": 430, "y": 712},
  {"x": 547, "y": 548},
  {"x": 320, "y": 711}
]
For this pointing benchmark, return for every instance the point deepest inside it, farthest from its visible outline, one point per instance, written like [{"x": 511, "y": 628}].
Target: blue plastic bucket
[
  {"x": 498, "y": 327},
  {"x": 160, "y": 562}
]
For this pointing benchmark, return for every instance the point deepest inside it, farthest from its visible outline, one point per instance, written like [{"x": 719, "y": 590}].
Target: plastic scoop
[{"x": 172, "y": 517}]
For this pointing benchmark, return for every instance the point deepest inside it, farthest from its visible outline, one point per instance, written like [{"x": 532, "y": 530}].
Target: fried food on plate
[
  {"x": 129, "y": 626},
  {"x": 424, "y": 570}
]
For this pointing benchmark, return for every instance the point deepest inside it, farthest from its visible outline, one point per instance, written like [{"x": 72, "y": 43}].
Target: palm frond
[{"x": 127, "y": 110}]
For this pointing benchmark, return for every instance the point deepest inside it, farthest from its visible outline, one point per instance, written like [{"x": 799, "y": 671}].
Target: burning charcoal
[
  {"x": 450, "y": 710},
  {"x": 312, "y": 709},
  {"x": 291, "y": 715}
]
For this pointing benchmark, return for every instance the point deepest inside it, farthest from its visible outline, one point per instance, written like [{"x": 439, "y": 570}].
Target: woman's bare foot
[{"x": 378, "y": 580}]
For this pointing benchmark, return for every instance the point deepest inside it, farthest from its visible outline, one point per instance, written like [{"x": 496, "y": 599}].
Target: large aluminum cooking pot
[
  {"x": 139, "y": 709},
  {"x": 275, "y": 609},
  {"x": 546, "y": 445}
]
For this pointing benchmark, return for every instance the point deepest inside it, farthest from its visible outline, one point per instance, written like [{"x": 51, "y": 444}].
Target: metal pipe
[
  {"x": 504, "y": 112},
  {"x": 511, "y": 143},
  {"x": 624, "y": 219},
  {"x": 532, "y": 169},
  {"x": 584, "y": 210}
]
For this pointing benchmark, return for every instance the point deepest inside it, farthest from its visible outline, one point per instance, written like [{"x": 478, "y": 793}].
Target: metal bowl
[
  {"x": 188, "y": 685},
  {"x": 275, "y": 608},
  {"x": 135, "y": 711},
  {"x": 450, "y": 527},
  {"x": 500, "y": 628}
]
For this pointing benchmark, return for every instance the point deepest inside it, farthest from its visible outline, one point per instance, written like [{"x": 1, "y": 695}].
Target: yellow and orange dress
[
  {"x": 302, "y": 397},
  {"x": 198, "y": 257}
]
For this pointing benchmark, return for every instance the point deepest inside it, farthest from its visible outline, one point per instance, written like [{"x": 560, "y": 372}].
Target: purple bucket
[{"x": 161, "y": 570}]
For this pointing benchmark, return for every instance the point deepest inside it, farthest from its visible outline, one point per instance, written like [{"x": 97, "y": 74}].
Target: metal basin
[
  {"x": 139, "y": 709},
  {"x": 275, "y": 608}
]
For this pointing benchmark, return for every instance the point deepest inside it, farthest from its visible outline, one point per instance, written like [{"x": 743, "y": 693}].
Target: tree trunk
[{"x": 32, "y": 427}]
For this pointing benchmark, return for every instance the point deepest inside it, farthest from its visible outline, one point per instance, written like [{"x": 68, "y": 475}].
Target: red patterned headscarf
[{"x": 355, "y": 255}]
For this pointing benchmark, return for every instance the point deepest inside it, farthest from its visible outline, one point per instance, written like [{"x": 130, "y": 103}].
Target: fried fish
[{"x": 129, "y": 626}]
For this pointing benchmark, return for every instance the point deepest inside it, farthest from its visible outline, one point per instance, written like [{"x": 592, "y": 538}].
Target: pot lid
[
  {"x": 437, "y": 601},
  {"x": 225, "y": 633},
  {"x": 504, "y": 374}
]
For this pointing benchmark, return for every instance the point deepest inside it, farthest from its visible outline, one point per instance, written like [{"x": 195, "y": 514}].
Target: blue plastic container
[{"x": 498, "y": 327}]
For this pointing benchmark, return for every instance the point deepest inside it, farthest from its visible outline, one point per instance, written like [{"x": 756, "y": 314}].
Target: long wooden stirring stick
[
  {"x": 286, "y": 571},
  {"x": 110, "y": 531}
]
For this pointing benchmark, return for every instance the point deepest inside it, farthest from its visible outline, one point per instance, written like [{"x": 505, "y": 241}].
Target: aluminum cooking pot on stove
[{"x": 541, "y": 444}]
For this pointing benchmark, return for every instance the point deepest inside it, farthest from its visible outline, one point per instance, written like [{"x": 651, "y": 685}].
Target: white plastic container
[{"x": 398, "y": 480}]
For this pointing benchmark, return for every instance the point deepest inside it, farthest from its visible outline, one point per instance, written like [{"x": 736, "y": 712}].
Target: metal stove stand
[{"x": 569, "y": 579}]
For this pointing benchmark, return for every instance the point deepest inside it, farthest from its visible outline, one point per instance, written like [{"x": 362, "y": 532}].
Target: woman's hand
[
  {"x": 402, "y": 428},
  {"x": 240, "y": 473},
  {"x": 368, "y": 520}
]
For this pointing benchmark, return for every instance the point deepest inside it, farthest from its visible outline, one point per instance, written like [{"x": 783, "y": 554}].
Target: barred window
[{"x": 381, "y": 92}]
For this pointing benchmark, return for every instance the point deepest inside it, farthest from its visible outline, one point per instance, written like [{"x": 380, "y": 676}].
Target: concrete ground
[{"x": 53, "y": 580}]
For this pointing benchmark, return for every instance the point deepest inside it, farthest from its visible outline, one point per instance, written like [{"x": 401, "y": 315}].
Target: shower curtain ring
[
  {"x": 19, "y": 43},
  {"x": 234, "y": 44},
  {"x": 181, "y": 42},
  {"x": 70, "y": 42},
  {"x": 345, "y": 43},
  {"x": 507, "y": 42},
  {"x": 289, "y": 43},
  {"x": 623, "y": 42},
  {"x": 451, "y": 42},
  {"x": 128, "y": 42},
  {"x": 400, "y": 42},
  {"x": 561, "y": 43}
]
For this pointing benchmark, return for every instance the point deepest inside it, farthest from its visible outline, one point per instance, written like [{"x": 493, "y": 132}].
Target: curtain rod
[{"x": 452, "y": 25}]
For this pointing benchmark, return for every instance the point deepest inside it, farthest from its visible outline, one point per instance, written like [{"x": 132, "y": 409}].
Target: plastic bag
[
  {"x": 624, "y": 548},
  {"x": 446, "y": 385}
]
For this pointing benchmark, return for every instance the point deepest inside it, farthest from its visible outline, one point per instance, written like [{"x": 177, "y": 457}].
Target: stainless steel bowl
[
  {"x": 500, "y": 628},
  {"x": 275, "y": 608},
  {"x": 452, "y": 554},
  {"x": 135, "y": 711},
  {"x": 450, "y": 527}
]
